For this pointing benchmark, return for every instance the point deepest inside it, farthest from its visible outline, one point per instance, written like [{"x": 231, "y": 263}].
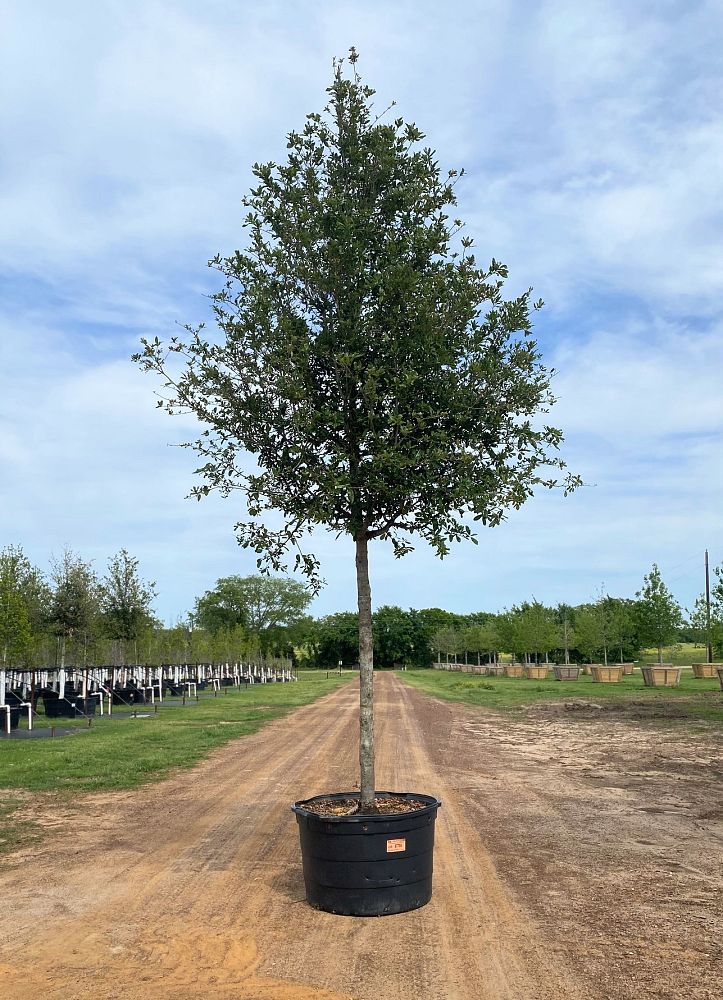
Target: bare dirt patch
[
  {"x": 575, "y": 858},
  {"x": 610, "y": 834}
]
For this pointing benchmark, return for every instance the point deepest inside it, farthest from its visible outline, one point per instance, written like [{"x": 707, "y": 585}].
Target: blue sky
[{"x": 592, "y": 141}]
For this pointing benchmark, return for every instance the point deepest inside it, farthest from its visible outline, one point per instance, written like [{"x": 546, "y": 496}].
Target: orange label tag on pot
[{"x": 394, "y": 846}]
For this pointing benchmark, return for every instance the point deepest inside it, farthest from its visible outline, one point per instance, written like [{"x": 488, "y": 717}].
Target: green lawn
[
  {"x": 125, "y": 752},
  {"x": 116, "y": 753},
  {"x": 680, "y": 655},
  {"x": 694, "y": 700}
]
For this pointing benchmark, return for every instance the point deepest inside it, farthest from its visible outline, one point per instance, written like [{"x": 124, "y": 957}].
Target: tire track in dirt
[
  {"x": 487, "y": 939},
  {"x": 199, "y": 893}
]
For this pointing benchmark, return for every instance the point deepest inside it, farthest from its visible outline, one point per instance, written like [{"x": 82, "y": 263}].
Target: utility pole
[{"x": 707, "y": 610}]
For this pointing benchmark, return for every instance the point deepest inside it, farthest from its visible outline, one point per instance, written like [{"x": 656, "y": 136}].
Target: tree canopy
[
  {"x": 24, "y": 597},
  {"x": 373, "y": 369},
  {"x": 126, "y": 599},
  {"x": 256, "y": 602},
  {"x": 659, "y": 614}
]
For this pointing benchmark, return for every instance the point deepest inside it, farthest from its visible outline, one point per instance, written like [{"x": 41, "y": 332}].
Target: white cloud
[{"x": 592, "y": 141}]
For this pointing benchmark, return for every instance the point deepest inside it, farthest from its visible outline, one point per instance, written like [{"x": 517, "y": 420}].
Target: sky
[{"x": 591, "y": 137}]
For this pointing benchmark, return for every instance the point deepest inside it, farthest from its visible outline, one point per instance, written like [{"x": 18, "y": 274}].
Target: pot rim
[{"x": 431, "y": 803}]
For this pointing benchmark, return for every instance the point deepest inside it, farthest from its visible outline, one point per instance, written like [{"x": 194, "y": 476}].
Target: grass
[
  {"x": 118, "y": 753},
  {"x": 680, "y": 655},
  {"x": 694, "y": 700}
]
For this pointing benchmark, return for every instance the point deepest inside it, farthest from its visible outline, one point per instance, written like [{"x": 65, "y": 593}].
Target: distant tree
[
  {"x": 590, "y": 632},
  {"x": 489, "y": 637},
  {"x": 538, "y": 625},
  {"x": 75, "y": 600},
  {"x": 483, "y": 637},
  {"x": 384, "y": 385},
  {"x": 594, "y": 627},
  {"x": 447, "y": 641},
  {"x": 472, "y": 642},
  {"x": 430, "y": 621},
  {"x": 303, "y": 637},
  {"x": 530, "y": 629},
  {"x": 15, "y": 634},
  {"x": 395, "y": 634},
  {"x": 708, "y": 625},
  {"x": 338, "y": 639},
  {"x": 564, "y": 616},
  {"x": 658, "y": 613},
  {"x": 716, "y": 610},
  {"x": 256, "y": 602},
  {"x": 126, "y": 602},
  {"x": 24, "y": 598},
  {"x": 622, "y": 627}
]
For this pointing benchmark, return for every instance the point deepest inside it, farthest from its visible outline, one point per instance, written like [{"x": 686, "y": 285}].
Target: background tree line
[{"x": 74, "y": 615}]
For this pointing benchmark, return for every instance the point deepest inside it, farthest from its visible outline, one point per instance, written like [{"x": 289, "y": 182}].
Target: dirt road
[{"x": 192, "y": 888}]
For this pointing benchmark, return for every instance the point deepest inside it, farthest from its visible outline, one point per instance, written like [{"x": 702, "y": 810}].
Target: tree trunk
[
  {"x": 366, "y": 675},
  {"x": 567, "y": 644}
]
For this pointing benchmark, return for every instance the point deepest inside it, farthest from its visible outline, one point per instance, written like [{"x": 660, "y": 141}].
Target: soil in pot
[{"x": 367, "y": 864}]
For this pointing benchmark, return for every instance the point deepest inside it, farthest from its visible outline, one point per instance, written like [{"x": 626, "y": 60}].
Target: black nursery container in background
[
  {"x": 15, "y": 711},
  {"x": 368, "y": 865}
]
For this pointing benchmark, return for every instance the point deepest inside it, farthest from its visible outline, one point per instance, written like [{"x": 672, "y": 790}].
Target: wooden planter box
[
  {"x": 587, "y": 668},
  {"x": 661, "y": 675},
  {"x": 720, "y": 677},
  {"x": 628, "y": 668},
  {"x": 495, "y": 670},
  {"x": 612, "y": 674},
  {"x": 537, "y": 672},
  {"x": 566, "y": 673},
  {"x": 516, "y": 671},
  {"x": 701, "y": 670}
]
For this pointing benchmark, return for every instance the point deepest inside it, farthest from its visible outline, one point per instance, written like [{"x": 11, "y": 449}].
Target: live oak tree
[{"x": 382, "y": 383}]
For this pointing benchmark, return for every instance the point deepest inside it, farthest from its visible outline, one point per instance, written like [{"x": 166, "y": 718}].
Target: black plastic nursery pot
[
  {"x": 85, "y": 706},
  {"x": 58, "y": 708},
  {"x": 15, "y": 711},
  {"x": 368, "y": 865}
]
